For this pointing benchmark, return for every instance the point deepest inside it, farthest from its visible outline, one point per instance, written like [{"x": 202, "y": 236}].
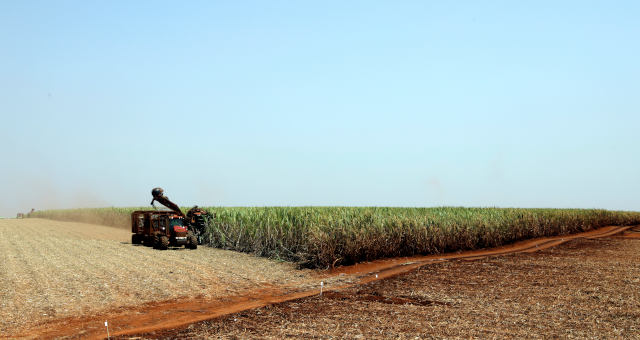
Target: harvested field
[
  {"x": 52, "y": 270},
  {"x": 581, "y": 289}
]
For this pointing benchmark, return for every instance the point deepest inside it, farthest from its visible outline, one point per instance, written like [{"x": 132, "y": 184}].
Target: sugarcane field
[{"x": 319, "y": 170}]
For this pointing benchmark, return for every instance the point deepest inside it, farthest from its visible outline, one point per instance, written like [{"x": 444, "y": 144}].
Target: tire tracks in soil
[{"x": 152, "y": 317}]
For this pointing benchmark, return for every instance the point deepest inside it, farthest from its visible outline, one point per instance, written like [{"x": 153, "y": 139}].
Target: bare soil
[{"x": 585, "y": 288}]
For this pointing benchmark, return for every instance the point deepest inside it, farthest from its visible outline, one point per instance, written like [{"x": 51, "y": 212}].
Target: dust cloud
[{"x": 40, "y": 192}]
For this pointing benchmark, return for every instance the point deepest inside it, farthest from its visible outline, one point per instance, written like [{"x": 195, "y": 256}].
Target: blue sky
[{"x": 411, "y": 103}]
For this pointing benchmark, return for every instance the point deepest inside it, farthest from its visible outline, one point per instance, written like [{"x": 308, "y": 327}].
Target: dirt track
[{"x": 249, "y": 287}]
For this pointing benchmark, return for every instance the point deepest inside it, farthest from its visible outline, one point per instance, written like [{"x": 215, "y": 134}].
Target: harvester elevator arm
[{"x": 158, "y": 195}]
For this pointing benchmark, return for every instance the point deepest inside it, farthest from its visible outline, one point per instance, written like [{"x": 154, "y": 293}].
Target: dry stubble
[{"x": 53, "y": 269}]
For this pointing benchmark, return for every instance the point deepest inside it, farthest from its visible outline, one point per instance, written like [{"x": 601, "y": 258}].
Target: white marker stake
[
  {"x": 107, "y": 325},
  {"x": 321, "y": 284}
]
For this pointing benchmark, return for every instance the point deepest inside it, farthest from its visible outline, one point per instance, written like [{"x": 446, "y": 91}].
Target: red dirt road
[{"x": 152, "y": 317}]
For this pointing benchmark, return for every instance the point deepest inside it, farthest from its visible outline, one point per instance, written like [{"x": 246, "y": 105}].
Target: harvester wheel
[
  {"x": 164, "y": 243},
  {"x": 136, "y": 239},
  {"x": 160, "y": 242},
  {"x": 192, "y": 241}
]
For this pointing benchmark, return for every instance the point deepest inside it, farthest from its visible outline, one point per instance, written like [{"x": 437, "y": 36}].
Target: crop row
[{"x": 318, "y": 237}]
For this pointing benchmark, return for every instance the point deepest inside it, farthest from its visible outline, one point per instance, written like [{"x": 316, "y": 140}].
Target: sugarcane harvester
[{"x": 162, "y": 229}]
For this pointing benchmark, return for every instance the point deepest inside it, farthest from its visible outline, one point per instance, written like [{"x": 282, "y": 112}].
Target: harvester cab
[{"x": 198, "y": 220}]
